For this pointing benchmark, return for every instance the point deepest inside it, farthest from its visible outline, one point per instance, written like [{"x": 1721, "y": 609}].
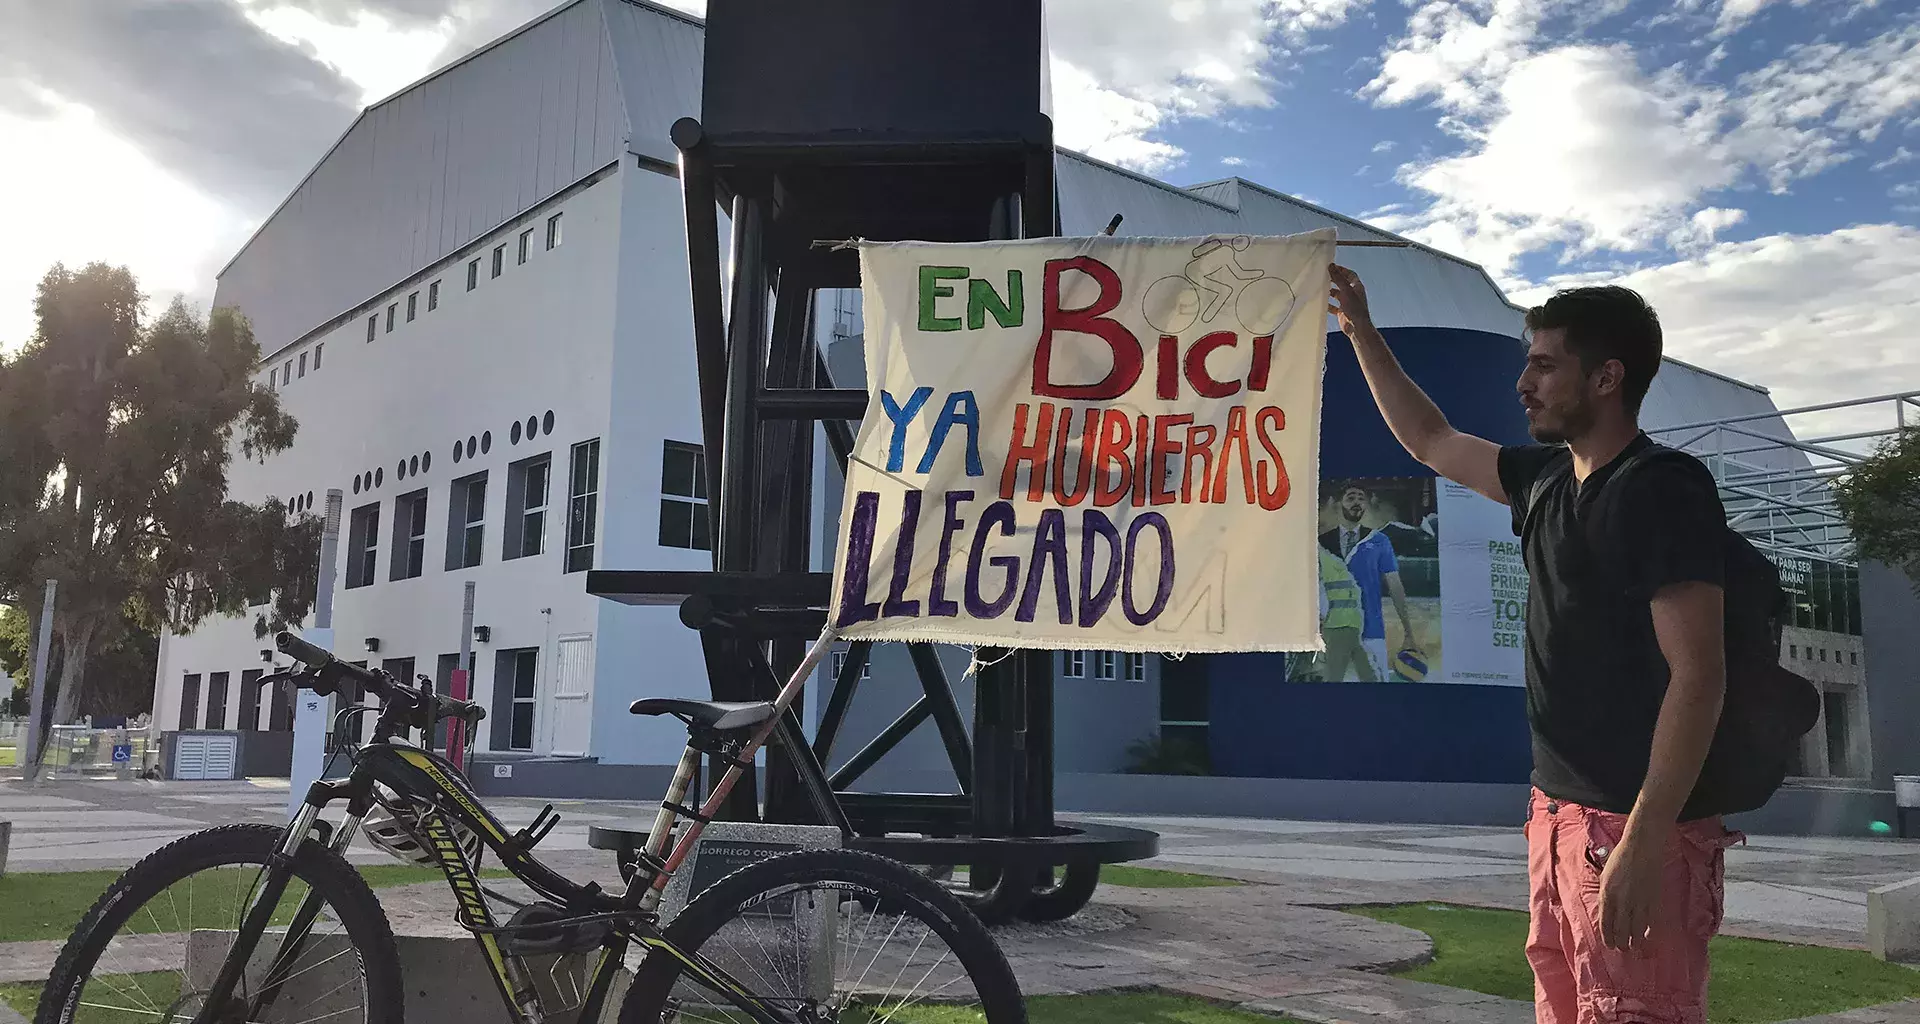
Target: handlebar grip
[
  {"x": 300, "y": 650},
  {"x": 464, "y": 710}
]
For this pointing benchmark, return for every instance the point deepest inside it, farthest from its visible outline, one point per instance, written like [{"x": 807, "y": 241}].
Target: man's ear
[{"x": 1609, "y": 376}]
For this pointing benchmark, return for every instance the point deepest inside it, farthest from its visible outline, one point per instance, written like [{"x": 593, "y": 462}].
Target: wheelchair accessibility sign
[{"x": 122, "y": 753}]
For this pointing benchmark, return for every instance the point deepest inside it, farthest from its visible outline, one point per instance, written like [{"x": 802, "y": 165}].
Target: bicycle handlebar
[{"x": 326, "y": 671}]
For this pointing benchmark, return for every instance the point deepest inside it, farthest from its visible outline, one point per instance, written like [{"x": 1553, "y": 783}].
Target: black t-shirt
[{"x": 1595, "y": 674}]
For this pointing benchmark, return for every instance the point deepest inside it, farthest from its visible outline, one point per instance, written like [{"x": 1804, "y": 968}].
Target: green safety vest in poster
[{"x": 1342, "y": 594}]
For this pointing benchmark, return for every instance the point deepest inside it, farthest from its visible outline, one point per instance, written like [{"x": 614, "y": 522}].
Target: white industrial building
[{"x": 476, "y": 306}]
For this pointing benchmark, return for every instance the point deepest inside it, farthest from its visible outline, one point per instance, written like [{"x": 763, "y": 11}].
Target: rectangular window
[
  {"x": 527, "y": 486},
  {"x": 1136, "y": 667},
  {"x": 409, "y": 535},
  {"x": 443, "y": 670},
  {"x": 413, "y": 302},
  {"x": 466, "y": 521},
  {"x": 217, "y": 700},
  {"x": 499, "y": 260},
  {"x": 190, "y": 701},
  {"x": 286, "y": 373},
  {"x": 513, "y": 698},
  {"x": 553, "y": 231},
  {"x": 683, "y": 497},
  {"x": 1106, "y": 665},
  {"x": 473, "y": 275},
  {"x": 316, "y": 354},
  {"x": 250, "y": 700},
  {"x": 363, "y": 545},
  {"x": 583, "y": 504},
  {"x": 433, "y": 296},
  {"x": 280, "y": 708},
  {"x": 1073, "y": 664},
  {"x": 303, "y": 364},
  {"x": 526, "y": 243},
  {"x": 1823, "y": 654},
  {"x": 1793, "y": 650},
  {"x": 373, "y": 325},
  {"x": 392, "y": 309},
  {"x": 1853, "y": 657}
]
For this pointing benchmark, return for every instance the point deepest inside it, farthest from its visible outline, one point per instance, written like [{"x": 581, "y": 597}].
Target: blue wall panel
[{"x": 1265, "y": 727}]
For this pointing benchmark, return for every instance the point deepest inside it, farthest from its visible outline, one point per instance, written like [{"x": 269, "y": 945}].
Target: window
[
  {"x": 286, "y": 375},
  {"x": 527, "y": 488},
  {"x": 392, "y": 307},
  {"x": 513, "y": 698},
  {"x": 409, "y": 535},
  {"x": 466, "y": 521},
  {"x": 1136, "y": 667},
  {"x": 1073, "y": 664},
  {"x": 190, "y": 701},
  {"x": 217, "y": 700},
  {"x": 1185, "y": 712},
  {"x": 1106, "y": 665},
  {"x": 413, "y": 302},
  {"x": 583, "y": 504},
  {"x": 840, "y": 664},
  {"x": 1823, "y": 654},
  {"x": 280, "y": 709},
  {"x": 316, "y": 355},
  {"x": 683, "y": 497},
  {"x": 1793, "y": 650},
  {"x": 250, "y": 700},
  {"x": 433, "y": 296},
  {"x": 303, "y": 364},
  {"x": 363, "y": 545},
  {"x": 553, "y": 231},
  {"x": 1853, "y": 657},
  {"x": 443, "y": 670},
  {"x": 526, "y": 243},
  {"x": 499, "y": 260},
  {"x": 373, "y": 324},
  {"x": 473, "y": 275}
]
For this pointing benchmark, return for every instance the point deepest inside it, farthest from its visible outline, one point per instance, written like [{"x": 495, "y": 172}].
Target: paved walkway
[{"x": 1273, "y": 946}]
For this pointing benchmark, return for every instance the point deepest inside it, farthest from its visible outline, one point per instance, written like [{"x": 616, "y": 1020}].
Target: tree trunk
[{"x": 76, "y": 641}]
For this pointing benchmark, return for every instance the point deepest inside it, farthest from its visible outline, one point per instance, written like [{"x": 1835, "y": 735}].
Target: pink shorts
[{"x": 1577, "y": 978}]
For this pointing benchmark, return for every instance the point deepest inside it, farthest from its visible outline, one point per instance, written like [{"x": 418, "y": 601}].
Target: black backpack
[{"x": 1768, "y": 708}]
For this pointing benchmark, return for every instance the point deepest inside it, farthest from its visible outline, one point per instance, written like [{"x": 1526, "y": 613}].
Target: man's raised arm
[{"x": 1416, "y": 422}]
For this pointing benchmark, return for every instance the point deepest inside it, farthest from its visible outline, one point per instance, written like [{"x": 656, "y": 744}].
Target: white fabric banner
[
  {"x": 1097, "y": 443},
  {"x": 1483, "y": 589}
]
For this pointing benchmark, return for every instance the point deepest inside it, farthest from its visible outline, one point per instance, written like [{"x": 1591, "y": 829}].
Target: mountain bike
[{"x": 279, "y": 927}]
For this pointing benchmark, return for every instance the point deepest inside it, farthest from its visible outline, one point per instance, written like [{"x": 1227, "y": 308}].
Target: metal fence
[{"x": 75, "y": 749}]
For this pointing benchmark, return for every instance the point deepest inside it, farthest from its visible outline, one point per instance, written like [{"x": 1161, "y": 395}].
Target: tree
[
  {"x": 1880, "y": 500},
  {"x": 115, "y": 439}
]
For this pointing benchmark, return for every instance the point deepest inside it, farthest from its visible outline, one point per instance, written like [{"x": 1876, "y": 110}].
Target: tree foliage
[
  {"x": 1880, "y": 500},
  {"x": 115, "y": 440}
]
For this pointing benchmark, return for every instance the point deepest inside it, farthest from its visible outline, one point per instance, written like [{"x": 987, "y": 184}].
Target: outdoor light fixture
[
  {"x": 266, "y": 656},
  {"x": 373, "y": 644},
  {"x": 482, "y": 634}
]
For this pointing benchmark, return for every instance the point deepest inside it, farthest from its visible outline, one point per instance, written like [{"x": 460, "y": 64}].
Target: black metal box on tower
[{"x": 787, "y": 72}]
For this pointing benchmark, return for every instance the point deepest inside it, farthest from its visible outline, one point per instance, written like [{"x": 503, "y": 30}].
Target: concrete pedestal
[{"x": 1893, "y": 921}]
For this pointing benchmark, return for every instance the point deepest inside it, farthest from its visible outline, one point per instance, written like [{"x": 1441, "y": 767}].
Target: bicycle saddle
[{"x": 712, "y": 714}]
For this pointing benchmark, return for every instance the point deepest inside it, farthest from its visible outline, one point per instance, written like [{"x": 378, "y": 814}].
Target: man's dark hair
[{"x": 1607, "y": 322}]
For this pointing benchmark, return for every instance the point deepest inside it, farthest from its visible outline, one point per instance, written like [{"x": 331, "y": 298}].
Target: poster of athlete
[{"x": 1380, "y": 611}]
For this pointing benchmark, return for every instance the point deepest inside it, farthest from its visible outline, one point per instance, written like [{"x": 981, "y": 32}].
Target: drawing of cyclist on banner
[{"x": 1213, "y": 281}]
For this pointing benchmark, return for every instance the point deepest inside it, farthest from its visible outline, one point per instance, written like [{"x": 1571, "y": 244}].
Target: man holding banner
[{"x": 1624, "y": 653}]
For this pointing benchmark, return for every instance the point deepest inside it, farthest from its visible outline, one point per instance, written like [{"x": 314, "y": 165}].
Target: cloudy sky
[{"x": 1752, "y": 165}]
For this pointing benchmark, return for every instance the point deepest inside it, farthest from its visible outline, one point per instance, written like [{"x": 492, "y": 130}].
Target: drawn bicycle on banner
[{"x": 1213, "y": 281}]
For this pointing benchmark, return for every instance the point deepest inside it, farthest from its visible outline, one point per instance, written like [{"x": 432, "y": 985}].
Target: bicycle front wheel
[
  {"x": 153, "y": 944},
  {"x": 826, "y": 935}
]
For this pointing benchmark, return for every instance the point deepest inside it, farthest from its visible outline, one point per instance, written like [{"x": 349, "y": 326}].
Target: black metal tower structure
[{"x": 827, "y": 120}]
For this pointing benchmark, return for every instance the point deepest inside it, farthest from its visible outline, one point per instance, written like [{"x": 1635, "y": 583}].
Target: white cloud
[
  {"x": 1383, "y": 146},
  {"x": 1812, "y": 317},
  {"x": 376, "y": 54},
  {"x": 1703, "y": 228},
  {"x": 1900, "y": 155},
  {"x": 134, "y": 213},
  {"x": 1123, "y": 69},
  {"x": 1576, "y": 146},
  {"x": 1234, "y": 161}
]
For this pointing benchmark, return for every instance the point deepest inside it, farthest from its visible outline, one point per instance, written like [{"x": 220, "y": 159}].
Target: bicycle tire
[
  {"x": 985, "y": 965},
  {"x": 325, "y": 871},
  {"x": 1057, "y": 900}
]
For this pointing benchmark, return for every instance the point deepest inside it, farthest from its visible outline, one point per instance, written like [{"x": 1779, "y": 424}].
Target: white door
[
  {"x": 223, "y": 753},
  {"x": 190, "y": 757},
  {"x": 570, "y": 700}
]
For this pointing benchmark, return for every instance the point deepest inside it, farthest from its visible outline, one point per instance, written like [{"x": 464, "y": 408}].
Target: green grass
[
  {"x": 1152, "y": 878},
  {"x": 47, "y": 904},
  {"x": 1754, "y": 982},
  {"x": 159, "y": 989},
  {"x": 6, "y": 757}
]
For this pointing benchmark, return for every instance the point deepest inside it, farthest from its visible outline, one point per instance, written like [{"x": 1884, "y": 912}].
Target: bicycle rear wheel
[
  {"x": 152, "y": 944},
  {"x": 828, "y": 935}
]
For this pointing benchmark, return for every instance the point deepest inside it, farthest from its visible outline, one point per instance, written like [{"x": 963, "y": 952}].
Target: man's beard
[{"x": 1576, "y": 421}]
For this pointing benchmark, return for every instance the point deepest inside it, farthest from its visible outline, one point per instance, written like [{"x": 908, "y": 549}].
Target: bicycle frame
[{"x": 424, "y": 775}]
